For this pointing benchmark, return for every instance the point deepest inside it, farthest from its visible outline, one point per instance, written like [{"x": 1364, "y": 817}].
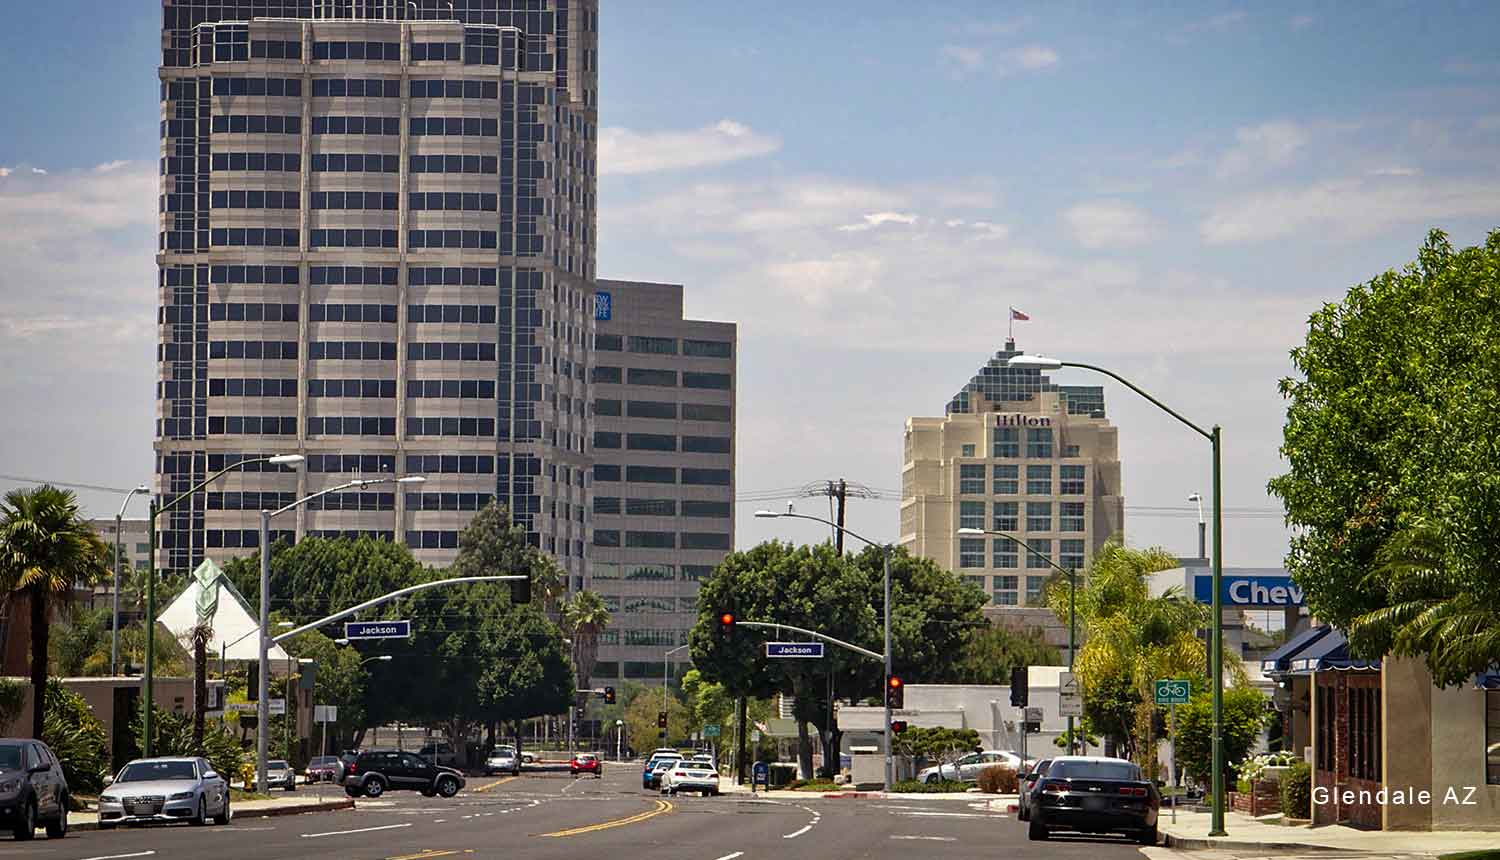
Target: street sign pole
[{"x": 1172, "y": 761}]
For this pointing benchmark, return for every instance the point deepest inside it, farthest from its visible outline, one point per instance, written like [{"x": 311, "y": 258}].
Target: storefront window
[{"x": 1492, "y": 737}]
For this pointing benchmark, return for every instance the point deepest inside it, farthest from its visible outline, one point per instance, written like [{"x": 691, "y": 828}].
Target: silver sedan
[{"x": 165, "y": 789}]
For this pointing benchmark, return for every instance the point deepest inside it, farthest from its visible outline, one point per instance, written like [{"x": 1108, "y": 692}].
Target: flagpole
[{"x": 1010, "y": 325}]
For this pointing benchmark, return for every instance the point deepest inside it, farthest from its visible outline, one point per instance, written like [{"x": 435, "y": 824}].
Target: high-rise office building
[
  {"x": 663, "y": 506},
  {"x": 1014, "y": 453},
  {"x": 377, "y": 238}
]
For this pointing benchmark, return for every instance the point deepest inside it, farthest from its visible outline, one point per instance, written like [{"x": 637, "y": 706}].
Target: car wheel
[
  {"x": 374, "y": 787},
  {"x": 932, "y": 779},
  {"x": 57, "y": 828},
  {"x": 291, "y": 786},
  {"x": 1037, "y": 832},
  {"x": 224, "y": 816},
  {"x": 1147, "y": 836},
  {"x": 1023, "y": 814},
  {"x": 447, "y": 786},
  {"x": 353, "y": 791},
  {"x": 26, "y": 825},
  {"x": 200, "y": 817}
]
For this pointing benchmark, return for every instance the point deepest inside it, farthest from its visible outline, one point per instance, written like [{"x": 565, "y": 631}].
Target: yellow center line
[
  {"x": 429, "y": 852},
  {"x": 488, "y": 786},
  {"x": 661, "y": 806}
]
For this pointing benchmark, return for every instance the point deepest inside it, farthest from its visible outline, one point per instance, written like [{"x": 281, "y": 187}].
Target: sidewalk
[
  {"x": 295, "y": 803},
  {"x": 1247, "y": 833}
]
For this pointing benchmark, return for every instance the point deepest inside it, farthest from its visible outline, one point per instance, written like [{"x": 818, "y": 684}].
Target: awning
[
  {"x": 1279, "y": 661},
  {"x": 1488, "y": 680},
  {"x": 1329, "y": 652}
]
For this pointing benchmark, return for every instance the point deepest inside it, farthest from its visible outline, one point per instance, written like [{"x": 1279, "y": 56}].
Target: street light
[
  {"x": 114, "y": 626},
  {"x": 1216, "y": 644},
  {"x": 1072, "y": 597},
  {"x": 665, "y": 676},
  {"x": 149, "y": 677},
  {"x": 885, "y": 551},
  {"x": 262, "y": 735},
  {"x": 1202, "y": 527}
]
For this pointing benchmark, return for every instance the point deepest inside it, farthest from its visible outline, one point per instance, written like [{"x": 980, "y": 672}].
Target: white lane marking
[
  {"x": 439, "y": 820},
  {"x": 991, "y": 816},
  {"x": 120, "y": 856},
  {"x": 360, "y": 830},
  {"x": 929, "y": 838},
  {"x": 730, "y": 856},
  {"x": 794, "y": 834}
]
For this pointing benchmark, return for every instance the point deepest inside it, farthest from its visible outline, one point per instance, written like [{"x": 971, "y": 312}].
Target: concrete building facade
[
  {"x": 1018, "y": 454},
  {"x": 376, "y": 249},
  {"x": 663, "y": 480}
]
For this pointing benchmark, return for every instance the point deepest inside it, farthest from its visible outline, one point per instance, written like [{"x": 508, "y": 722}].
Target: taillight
[
  {"x": 1055, "y": 788},
  {"x": 1133, "y": 791}
]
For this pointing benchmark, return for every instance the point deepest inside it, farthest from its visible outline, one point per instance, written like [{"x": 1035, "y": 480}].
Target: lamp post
[
  {"x": 1072, "y": 598},
  {"x": 885, "y": 551},
  {"x": 149, "y": 677},
  {"x": 263, "y": 705},
  {"x": 665, "y": 677},
  {"x": 114, "y": 626},
  {"x": 1202, "y": 526},
  {"x": 1216, "y": 645}
]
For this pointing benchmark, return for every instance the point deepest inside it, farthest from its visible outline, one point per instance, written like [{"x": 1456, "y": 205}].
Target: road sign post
[
  {"x": 1069, "y": 697},
  {"x": 1172, "y": 692}
]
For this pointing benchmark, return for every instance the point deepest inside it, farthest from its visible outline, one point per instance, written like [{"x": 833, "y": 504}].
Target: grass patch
[
  {"x": 912, "y": 786},
  {"x": 1486, "y": 854},
  {"x": 812, "y": 785}
]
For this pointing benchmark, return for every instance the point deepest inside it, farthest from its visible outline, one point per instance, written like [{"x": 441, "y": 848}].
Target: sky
[{"x": 865, "y": 187}]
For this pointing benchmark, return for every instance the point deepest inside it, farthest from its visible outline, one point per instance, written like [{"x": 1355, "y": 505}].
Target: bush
[
  {"x": 914, "y": 786},
  {"x": 998, "y": 780},
  {"x": 1242, "y": 785},
  {"x": 1254, "y": 767},
  {"x": 76, "y": 737},
  {"x": 1244, "y": 715},
  {"x": 173, "y": 736},
  {"x": 1296, "y": 791},
  {"x": 812, "y": 785}
]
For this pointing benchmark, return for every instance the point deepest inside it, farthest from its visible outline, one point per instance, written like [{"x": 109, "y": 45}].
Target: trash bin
[
  {"x": 781, "y": 774},
  {"x": 866, "y": 766}
]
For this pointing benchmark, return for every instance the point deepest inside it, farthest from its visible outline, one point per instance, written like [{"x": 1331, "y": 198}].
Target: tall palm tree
[
  {"x": 47, "y": 549},
  {"x": 584, "y": 616}
]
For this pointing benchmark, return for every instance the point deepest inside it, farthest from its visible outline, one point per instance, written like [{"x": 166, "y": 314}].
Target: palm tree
[
  {"x": 584, "y": 616},
  {"x": 47, "y": 549}
]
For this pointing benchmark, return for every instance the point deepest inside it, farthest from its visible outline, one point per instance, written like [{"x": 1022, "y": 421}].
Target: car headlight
[
  {"x": 108, "y": 798},
  {"x": 182, "y": 795},
  {"x": 9, "y": 786}
]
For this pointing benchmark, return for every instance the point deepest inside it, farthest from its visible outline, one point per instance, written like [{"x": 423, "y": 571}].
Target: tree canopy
[{"x": 1393, "y": 481}]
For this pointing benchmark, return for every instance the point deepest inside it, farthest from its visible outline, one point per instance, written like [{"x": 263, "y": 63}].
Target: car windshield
[
  {"x": 1120, "y": 770},
  {"x": 322, "y": 760},
  {"x": 664, "y": 765},
  {"x": 146, "y": 771},
  {"x": 10, "y": 757},
  {"x": 276, "y": 764}
]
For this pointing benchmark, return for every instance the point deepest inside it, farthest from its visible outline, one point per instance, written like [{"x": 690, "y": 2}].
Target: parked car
[
  {"x": 528, "y": 757},
  {"x": 440, "y": 754},
  {"x": 279, "y": 774},
  {"x": 650, "y": 778},
  {"x": 165, "y": 789},
  {"x": 690, "y": 775},
  {"x": 33, "y": 790},
  {"x": 967, "y": 769},
  {"x": 586, "y": 763},
  {"x": 346, "y": 758},
  {"x": 324, "y": 768},
  {"x": 375, "y": 772},
  {"x": 502, "y": 759},
  {"x": 1090, "y": 794},
  {"x": 1027, "y": 786}
]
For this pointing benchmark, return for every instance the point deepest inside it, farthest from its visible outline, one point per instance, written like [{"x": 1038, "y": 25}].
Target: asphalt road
[{"x": 551, "y": 815}]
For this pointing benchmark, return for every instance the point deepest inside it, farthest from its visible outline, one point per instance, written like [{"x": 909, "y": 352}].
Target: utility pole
[{"x": 841, "y": 494}]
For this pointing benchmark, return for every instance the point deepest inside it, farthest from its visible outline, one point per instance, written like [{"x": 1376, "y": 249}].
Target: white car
[
  {"x": 967, "y": 768},
  {"x": 502, "y": 760},
  {"x": 687, "y": 775}
]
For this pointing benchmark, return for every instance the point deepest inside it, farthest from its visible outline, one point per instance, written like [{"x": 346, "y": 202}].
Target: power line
[{"x": 18, "y": 479}]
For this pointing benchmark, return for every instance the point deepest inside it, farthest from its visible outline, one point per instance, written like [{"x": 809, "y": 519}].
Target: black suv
[
  {"x": 375, "y": 772},
  {"x": 33, "y": 790}
]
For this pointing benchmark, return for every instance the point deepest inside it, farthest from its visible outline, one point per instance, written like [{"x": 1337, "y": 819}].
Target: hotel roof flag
[{"x": 1010, "y": 331}]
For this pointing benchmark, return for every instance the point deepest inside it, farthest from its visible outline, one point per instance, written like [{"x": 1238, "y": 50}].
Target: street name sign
[
  {"x": 277, "y": 707},
  {"x": 710, "y": 731},
  {"x": 794, "y": 649},
  {"x": 1069, "y": 696},
  {"x": 1172, "y": 691},
  {"x": 325, "y": 713},
  {"x": 377, "y": 629}
]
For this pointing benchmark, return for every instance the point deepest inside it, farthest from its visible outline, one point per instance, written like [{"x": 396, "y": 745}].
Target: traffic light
[
  {"x": 898, "y": 726},
  {"x": 726, "y": 625},
  {"x": 661, "y": 719},
  {"x": 1018, "y": 692},
  {"x": 578, "y": 712},
  {"x": 609, "y": 695},
  {"x": 895, "y": 692},
  {"x": 252, "y": 691},
  {"x": 520, "y": 590}
]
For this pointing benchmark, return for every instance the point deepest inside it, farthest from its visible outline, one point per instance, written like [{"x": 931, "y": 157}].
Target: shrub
[
  {"x": 1244, "y": 716},
  {"x": 998, "y": 780},
  {"x": 173, "y": 736},
  {"x": 1296, "y": 791},
  {"x": 1242, "y": 785},
  {"x": 915, "y": 786},
  {"x": 1254, "y": 767},
  {"x": 812, "y": 785},
  {"x": 76, "y": 737}
]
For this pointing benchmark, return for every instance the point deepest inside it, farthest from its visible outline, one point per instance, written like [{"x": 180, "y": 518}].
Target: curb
[
  {"x": 267, "y": 812},
  {"x": 852, "y": 795},
  {"x": 1189, "y": 843}
]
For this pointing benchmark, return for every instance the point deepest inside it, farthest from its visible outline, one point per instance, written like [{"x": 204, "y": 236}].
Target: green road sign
[
  {"x": 710, "y": 731},
  {"x": 1173, "y": 692}
]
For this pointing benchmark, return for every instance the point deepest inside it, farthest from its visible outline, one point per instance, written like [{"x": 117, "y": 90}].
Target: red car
[{"x": 586, "y": 763}]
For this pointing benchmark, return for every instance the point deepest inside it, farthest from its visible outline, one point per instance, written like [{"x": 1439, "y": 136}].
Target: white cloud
[
  {"x": 1102, "y": 224},
  {"x": 1301, "y": 22},
  {"x": 1259, "y": 147},
  {"x": 961, "y": 59},
  {"x": 624, "y": 151},
  {"x": 39, "y": 171},
  {"x": 1396, "y": 170},
  {"x": 109, "y": 166},
  {"x": 1346, "y": 209},
  {"x": 876, "y": 219},
  {"x": 1035, "y": 57}
]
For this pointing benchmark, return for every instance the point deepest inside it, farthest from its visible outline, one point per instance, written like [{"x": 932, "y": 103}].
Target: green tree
[
  {"x": 1245, "y": 715},
  {"x": 47, "y": 549},
  {"x": 319, "y": 576},
  {"x": 584, "y": 617},
  {"x": 74, "y": 643},
  {"x": 492, "y": 545},
  {"x": 76, "y": 737},
  {"x": 340, "y": 681},
  {"x": 936, "y": 744},
  {"x": 988, "y": 654},
  {"x": 1392, "y": 471}
]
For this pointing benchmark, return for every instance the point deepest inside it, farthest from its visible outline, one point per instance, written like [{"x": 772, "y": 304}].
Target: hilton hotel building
[
  {"x": 1018, "y": 454},
  {"x": 663, "y": 503},
  {"x": 376, "y": 248}
]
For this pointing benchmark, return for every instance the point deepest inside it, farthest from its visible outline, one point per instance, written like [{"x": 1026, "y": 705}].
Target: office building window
[
  {"x": 971, "y": 515},
  {"x": 1039, "y": 552},
  {"x": 607, "y": 407},
  {"x": 1039, "y": 442},
  {"x": 1005, "y": 554},
  {"x": 1070, "y": 480},
  {"x": 650, "y": 442},
  {"x": 606, "y": 505},
  {"x": 1007, "y": 442},
  {"x": 651, "y": 540},
  {"x": 1038, "y": 480},
  {"x": 1007, "y": 479},
  {"x": 977, "y": 581},
  {"x": 1070, "y": 516},
  {"x": 705, "y": 540},
  {"x": 1007, "y": 515},
  {"x": 647, "y": 376},
  {"x": 608, "y": 342},
  {"x": 719, "y": 381},
  {"x": 647, "y": 474},
  {"x": 1036, "y": 589},
  {"x": 971, "y": 552},
  {"x": 651, "y": 409},
  {"x": 1070, "y": 554},
  {"x": 1005, "y": 590},
  {"x": 653, "y": 345},
  {"x": 705, "y": 412},
  {"x": 604, "y": 439},
  {"x": 971, "y": 480},
  {"x": 968, "y": 451},
  {"x": 708, "y": 348},
  {"x": 706, "y": 477},
  {"x": 1039, "y": 516}
]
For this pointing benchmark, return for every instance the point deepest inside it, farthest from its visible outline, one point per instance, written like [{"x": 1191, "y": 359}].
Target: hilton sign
[{"x": 1020, "y": 420}]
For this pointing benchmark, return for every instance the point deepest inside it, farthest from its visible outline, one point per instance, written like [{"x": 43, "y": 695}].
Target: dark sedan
[
  {"x": 1027, "y": 787},
  {"x": 1095, "y": 795}
]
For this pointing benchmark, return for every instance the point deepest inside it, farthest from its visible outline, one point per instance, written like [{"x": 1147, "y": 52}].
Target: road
[{"x": 550, "y": 815}]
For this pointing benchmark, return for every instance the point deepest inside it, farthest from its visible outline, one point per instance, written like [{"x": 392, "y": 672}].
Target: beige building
[
  {"x": 1018, "y": 454},
  {"x": 663, "y": 490}
]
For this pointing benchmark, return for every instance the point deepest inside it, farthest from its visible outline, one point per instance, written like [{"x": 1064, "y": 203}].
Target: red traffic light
[
  {"x": 894, "y": 682},
  {"x": 898, "y": 726},
  {"x": 726, "y": 619}
]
